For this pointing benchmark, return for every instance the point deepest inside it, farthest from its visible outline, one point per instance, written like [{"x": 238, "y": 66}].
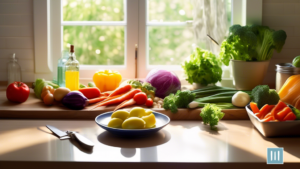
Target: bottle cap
[
  {"x": 72, "y": 48},
  {"x": 13, "y": 57}
]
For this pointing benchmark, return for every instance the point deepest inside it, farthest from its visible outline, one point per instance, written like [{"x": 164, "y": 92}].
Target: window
[
  {"x": 105, "y": 33},
  {"x": 98, "y": 30}
]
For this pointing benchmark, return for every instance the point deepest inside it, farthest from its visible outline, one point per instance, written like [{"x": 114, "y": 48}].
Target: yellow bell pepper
[
  {"x": 107, "y": 80},
  {"x": 289, "y": 92}
]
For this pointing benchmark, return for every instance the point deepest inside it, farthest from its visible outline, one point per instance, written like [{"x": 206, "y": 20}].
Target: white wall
[
  {"x": 285, "y": 15},
  {"x": 16, "y": 33},
  {"x": 16, "y": 36}
]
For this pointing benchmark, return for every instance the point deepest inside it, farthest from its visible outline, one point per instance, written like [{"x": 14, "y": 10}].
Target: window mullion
[
  {"x": 142, "y": 52},
  {"x": 132, "y": 36}
]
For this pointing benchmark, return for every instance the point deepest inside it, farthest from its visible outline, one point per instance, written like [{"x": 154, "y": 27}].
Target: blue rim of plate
[{"x": 134, "y": 130}]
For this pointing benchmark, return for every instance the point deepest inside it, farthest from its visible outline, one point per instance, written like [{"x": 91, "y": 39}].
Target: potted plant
[
  {"x": 202, "y": 68},
  {"x": 249, "y": 49}
]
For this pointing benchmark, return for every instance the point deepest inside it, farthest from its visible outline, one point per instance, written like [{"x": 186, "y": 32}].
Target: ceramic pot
[{"x": 247, "y": 75}]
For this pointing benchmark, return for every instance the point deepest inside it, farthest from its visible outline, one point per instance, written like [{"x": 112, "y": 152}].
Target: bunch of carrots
[
  {"x": 122, "y": 96},
  {"x": 278, "y": 112}
]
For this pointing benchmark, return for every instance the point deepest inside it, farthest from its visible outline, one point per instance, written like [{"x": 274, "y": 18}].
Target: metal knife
[{"x": 70, "y": 134}]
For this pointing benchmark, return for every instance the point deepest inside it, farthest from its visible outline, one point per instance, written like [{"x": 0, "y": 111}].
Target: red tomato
[
  {"x": 17, "y": 92},
  {"x": 149, "y": 102},
  {"x": 140, "y": 98}
]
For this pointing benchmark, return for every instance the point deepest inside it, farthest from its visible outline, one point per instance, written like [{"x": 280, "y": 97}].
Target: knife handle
[{"x": 82, "y": 139}]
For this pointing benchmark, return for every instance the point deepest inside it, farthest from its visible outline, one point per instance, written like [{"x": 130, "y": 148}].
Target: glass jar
[{"x": 284, "y": 71}]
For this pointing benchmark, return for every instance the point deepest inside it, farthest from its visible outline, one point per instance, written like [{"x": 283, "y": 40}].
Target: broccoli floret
[
  {"x": 262, "y": 95},
  {"x": 184, "y": 98},
  {"x": 169, "y": 103},
  {"x": 179, "y": 100},
  {"x": 251, "y": 43},
  {"x": 279, "y": 38},
  {"x": 211, "y": 114}
]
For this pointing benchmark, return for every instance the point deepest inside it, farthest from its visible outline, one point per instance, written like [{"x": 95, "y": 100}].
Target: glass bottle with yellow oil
[{"x": 72, "y": 71}]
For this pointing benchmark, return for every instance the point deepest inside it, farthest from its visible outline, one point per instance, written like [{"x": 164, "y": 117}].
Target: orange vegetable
[
  {"x": 281, "y": 115},
  {"x": 107, "y": 93},
  {"x": 265, "y": 110},
  {"x": 267, "y": 116},
  {"x": 278, "y": 107},
  {"x": 126, "y": 96},
  {"x": 297, "y": 104},
  {"x": 96, "y": 100},
  {"x": 270, "y": 118},
  {"x": 254, "y": 107},
  {"x": 290, "y": 116},
  {"x": 120, "y": 90},
  {"x": 48, "y": 99},
  {"x": 125, "y": 103},
  {"x": 289, "y": 92}
]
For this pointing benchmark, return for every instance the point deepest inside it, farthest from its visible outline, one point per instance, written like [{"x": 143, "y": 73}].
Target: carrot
[
  {"x": 267, "y": 116},
  {"x": 290, "y": 116},
  {"x": 120, "y": 99},
  {"x": 96, "y": 100},
  {"x": 283, "y": 113},
  {"x": 265, "y": 110},
  {"x": 278, "y": 107},
  {"x": 254, "y": 107},
  {"x": 125, "y": 103},
  {"x": 270, "y": 118},
  {"x": 121, "y": 90},
  {"x": 107, "y": 93},
  {"x": 101, "y": 100}
]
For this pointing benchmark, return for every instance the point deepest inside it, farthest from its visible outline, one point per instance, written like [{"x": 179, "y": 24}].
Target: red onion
[{"x": 75, "y": 100}]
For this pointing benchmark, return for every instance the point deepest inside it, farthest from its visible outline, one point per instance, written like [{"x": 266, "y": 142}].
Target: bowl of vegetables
[
  {"x": 133, "y": 123},
  {"x": 275, "y": 120}
]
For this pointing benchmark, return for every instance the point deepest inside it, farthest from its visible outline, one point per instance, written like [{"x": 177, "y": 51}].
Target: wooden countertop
[
  {"x": 181, "y": 143},
  {"x": 34, "y": 108}
]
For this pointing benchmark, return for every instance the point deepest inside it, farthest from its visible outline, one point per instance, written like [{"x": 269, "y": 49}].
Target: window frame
[{"x": 47, "y": 49}]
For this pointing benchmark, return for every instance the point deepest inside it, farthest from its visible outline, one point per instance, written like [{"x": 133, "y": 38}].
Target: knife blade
[
  {"x": 57, "y": 132},
  {"x": 70, "y": 134}
]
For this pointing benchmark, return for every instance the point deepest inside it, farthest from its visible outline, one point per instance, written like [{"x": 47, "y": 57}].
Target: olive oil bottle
[{"x": 72, "y": 71}]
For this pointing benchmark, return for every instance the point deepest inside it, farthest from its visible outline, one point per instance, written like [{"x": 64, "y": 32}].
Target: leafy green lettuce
[
  {"x": 211, "y": 114},
  {"x": 203, "y": 67}
]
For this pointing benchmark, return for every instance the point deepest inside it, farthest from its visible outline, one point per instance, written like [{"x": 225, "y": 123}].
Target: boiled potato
[
  {"x": 134, "y": 123},
  {"x": 115, "y": 123},
  {"x": 148, "y": 112},
  {"x": 121, "y": 114},
  {"x": 60, "y": 93},
  {"x": 150, "y": 120},
  {"x": 137, "y": 112}
]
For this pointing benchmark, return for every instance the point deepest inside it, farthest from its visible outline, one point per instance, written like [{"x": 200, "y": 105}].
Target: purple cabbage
[
  {"x": 164, "y": 81},
  {"x": 75, "y": 100}
]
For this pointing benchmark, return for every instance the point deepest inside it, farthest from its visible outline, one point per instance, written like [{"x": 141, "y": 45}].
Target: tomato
[
  {"x": 48, "y": 99},
  {"x": 44, "y": 93},
  {"x": 17, "y": 92},
  {"x": 149, "y": 102},
  {"x": 140, "y": 98}
]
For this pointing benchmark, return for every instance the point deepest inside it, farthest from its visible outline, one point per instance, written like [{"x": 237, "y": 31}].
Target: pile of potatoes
[{"x": 136, "y": 118}]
